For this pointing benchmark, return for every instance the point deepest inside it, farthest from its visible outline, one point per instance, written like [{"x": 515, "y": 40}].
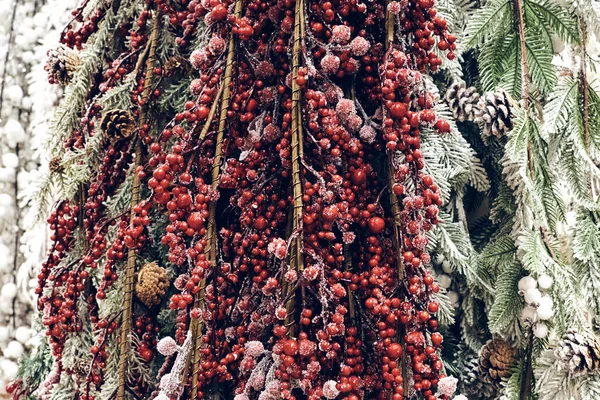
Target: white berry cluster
[
  {"x": 539, "y": 306},
  {"x": 445, "y": 279}
]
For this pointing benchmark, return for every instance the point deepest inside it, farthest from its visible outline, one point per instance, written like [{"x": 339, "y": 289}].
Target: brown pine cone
[
  {"x": 580, "y": 352},
  {"x": 152, "y": 283},
  {"x": 61, "y": 64},
  {"x": 462, "y": 100},
  {"x": 55, "y": 165},
  {"x": 495, "y": 360},
  {"x": 494, "y": 112},
  {"x": 117, "y": 124}
]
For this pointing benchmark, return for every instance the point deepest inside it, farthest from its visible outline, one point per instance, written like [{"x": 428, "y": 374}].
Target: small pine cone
[
  {"x": 117, "y": 124},
  {"x": 55, "y": 165},
  {"x": 61, "y": 64},
  {"x": 152, "y": 283},
  {"x": 495, "y": 360},
  {"x": 494, "y": 112},
  {"x": 580, "y": 352},
  {"x": 462, "y": 100}
]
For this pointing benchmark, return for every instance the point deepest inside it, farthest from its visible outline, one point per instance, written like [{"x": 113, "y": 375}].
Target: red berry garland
[{"x": 294, "y": 194}]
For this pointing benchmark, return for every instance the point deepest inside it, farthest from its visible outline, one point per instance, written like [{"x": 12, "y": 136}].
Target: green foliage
[
  {"x": 512, "y": 387},
  {"x": 492, "y": 29},
  {"x": 539, "y": 61},
  {"x": 552, "y": 380},
  {"x": 34, "y": 367},
  {"x": 489, "y": 21},
  {"x": 586, "y": 253},
  {"x": 551, "y": 18},
  {"x": 565, "y": 129},
  {"x": 504, "y": 313}
]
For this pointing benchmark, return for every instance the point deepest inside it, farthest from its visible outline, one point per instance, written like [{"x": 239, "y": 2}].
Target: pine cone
[
  {"x": 462, "y": 100},
  {"x": 61, "y": 64},
  {"x": 580, "y": 352},
  {"x": 55, "y": 165},
  {"x": 495, "y": 360},
  {"x": 471, "y": 381},
  {"x": 152, "y": 283},
  {"x": 494, "y": 112},
  {"x": 117, "y": 124}
]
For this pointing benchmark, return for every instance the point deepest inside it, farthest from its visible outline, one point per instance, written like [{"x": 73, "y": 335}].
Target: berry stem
[
  {"x": 224, "y": 95},
  {"x": 395, "y": 207},
  {"x": 296, "y": 259},
  {"x": 135, "y": 199}
]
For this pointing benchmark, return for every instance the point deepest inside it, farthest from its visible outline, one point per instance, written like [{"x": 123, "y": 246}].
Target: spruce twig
[{"x": 135, "y": 199}]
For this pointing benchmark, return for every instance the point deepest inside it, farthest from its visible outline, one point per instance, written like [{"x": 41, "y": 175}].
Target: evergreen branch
[
  {"x": 445, "y": 314},
  {"x": 486, "y": 22},
  {"x": 520, "y": 27},
  {"x": 586, "y": 240},
  {"x": 535, "y": 255},
  {"x": 588, "y": 11},
  {"x": 594, "y": 115},
  {"x": 539, "y": 60},
  {"x": 66, "y": 118},
  {"x": 527, "y": 379},
  {"x": 553, "y": 382},
  {"x": 561, "y": 104},
  {"x": 511, "y": 78},
  {"x": 493, "y": 58},
  {"x": 554, "y": 16},
  {"x": 590, "y": 387},
  {"x": 507, "y": 302}
]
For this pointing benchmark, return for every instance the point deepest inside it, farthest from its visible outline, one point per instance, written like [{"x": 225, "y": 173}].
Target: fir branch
[
  {"x": 539, "y": 61},
  {"x": 514, "y": 384},
  {"x": 561, "y": 104},
  {"x": 588, "y": 10},
  {"x": 493, "y": 60},
  {"x": 445, "y": 314},
  {"x": 555, "y": 17},
  {"x": 119, "y": 97},
  {"x": 590, "y": 387},
  {"x": 507, "y": 302},
  {"x": 586, "y": 240},
  {"x": 511, "y": 78},
  {"x": 485, "y": 23},
  {"x": 66, "y": 118},
  {"x": 534, "y": 254}
]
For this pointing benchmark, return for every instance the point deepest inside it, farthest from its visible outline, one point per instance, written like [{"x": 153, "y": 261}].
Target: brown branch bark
[{"x": 296, "y": 259}]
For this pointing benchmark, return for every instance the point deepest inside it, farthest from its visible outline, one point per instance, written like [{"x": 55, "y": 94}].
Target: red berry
[{"x": 376, "y": 225}]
